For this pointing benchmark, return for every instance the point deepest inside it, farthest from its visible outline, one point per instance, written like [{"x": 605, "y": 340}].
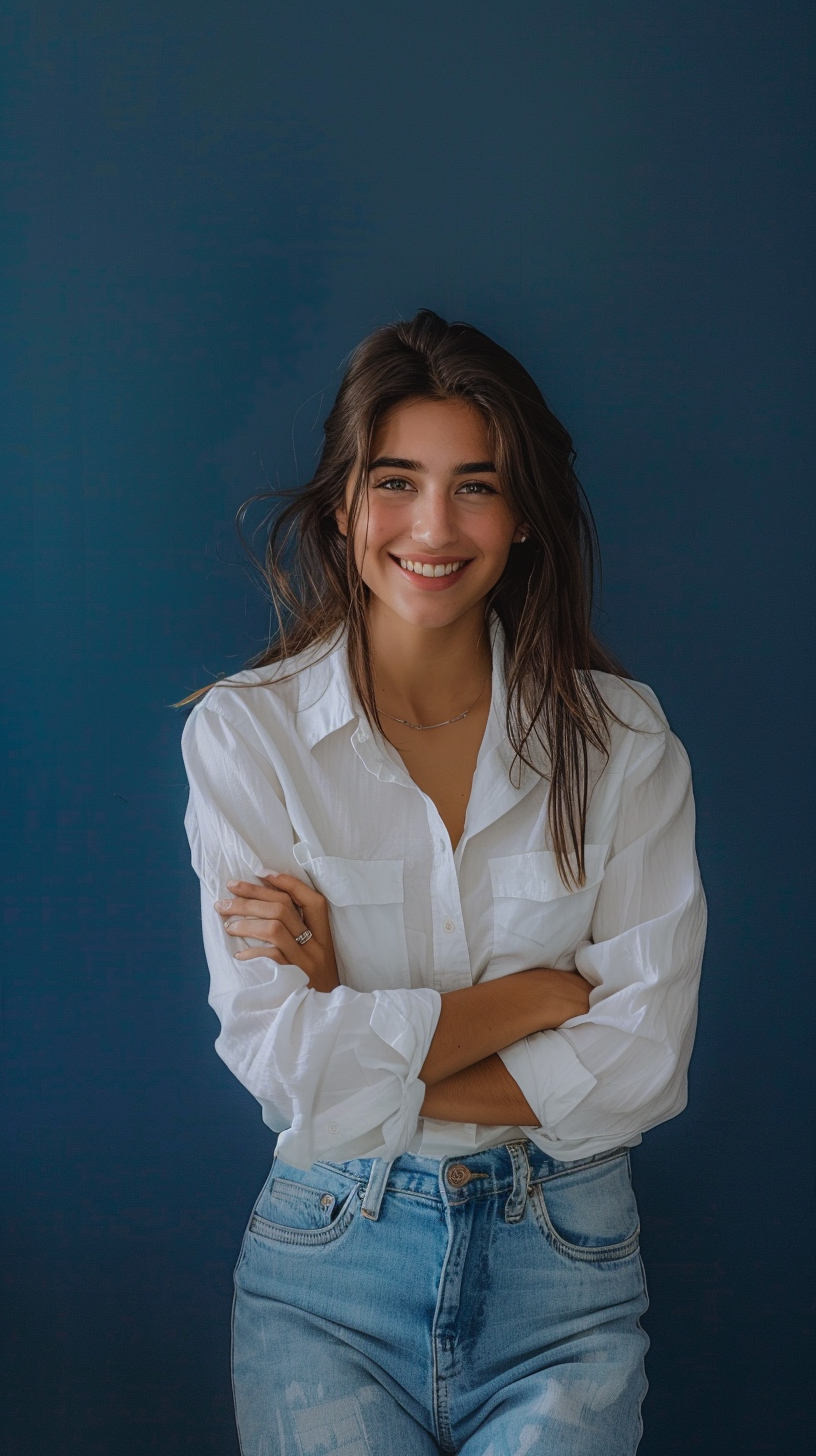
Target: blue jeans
[{"x": 488, "y": 1305}]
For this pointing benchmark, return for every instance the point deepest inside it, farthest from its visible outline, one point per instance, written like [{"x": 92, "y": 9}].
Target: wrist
[{"x": 559, "y": 995}]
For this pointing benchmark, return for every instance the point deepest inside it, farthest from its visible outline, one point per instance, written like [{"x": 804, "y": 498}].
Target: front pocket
[
  {"x": 306, "y": 1208},
  {"x": 535, "y": 914},
  {"x": 590, "y": 1213},
  {"x": 366, "y": 909}
]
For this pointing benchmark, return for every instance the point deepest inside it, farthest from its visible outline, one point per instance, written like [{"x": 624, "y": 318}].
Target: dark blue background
[{"x": 208, "y": 204}]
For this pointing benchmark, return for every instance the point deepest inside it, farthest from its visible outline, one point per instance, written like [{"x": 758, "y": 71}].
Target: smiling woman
[
  {"x": 455, "y": 849},
  {"x": 442, "y": 530},
  {"x": 429, "y": 546}
]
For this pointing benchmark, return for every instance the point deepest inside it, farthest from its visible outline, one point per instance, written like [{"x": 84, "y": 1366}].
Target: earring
[{"x": 522, "y": 538}]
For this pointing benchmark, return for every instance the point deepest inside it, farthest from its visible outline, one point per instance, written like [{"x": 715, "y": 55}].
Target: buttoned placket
[
  {"x": 492, "y": 794},
  {"x": 451, "y": 957}
]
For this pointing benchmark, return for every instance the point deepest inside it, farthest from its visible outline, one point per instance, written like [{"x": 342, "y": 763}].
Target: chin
[{"x": 433, "y": 612}]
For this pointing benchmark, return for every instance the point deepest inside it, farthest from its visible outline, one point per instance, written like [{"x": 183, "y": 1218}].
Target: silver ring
[{"x": 303, "y": 937}]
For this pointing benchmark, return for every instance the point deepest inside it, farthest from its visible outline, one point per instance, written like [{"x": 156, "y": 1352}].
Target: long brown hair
[{"x": 544, "y": 597}]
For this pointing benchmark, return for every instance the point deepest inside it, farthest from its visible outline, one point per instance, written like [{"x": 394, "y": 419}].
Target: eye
[
  {"x": 477, "y": 487},
  {"x": 393, "y": 483}
]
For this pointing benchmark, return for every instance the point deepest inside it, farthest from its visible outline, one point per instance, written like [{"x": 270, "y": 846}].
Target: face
[{"x": 435, "y": 529}]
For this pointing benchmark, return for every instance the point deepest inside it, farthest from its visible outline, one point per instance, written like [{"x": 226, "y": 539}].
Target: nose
[{"x": 435, "y": 521}]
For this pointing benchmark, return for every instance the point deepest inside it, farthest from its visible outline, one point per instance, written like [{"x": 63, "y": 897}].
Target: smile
[{"x": 429, "y": 569}]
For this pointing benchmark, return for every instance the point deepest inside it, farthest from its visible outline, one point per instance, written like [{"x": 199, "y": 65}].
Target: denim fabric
[{"x": 488, "y": 1305}]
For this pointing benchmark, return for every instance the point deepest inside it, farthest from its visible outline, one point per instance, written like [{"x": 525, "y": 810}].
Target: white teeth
[{"x": 426, "y": 569}]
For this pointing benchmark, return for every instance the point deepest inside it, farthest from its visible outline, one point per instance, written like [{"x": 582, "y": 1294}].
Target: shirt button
[
  {"x": 449, "y": 925},
  {"x": 332, "y": 1127}
]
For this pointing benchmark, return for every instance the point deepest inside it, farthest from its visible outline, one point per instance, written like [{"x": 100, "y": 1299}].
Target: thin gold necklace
[{"x": 426, "y": 727}]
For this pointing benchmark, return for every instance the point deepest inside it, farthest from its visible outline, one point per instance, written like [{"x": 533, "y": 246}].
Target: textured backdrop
[{"x": 208, "y": 204}]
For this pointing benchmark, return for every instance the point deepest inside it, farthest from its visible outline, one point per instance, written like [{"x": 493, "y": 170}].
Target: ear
[
  {"x": 521, "y": 534},
  {"x": 341, "y": 517}
]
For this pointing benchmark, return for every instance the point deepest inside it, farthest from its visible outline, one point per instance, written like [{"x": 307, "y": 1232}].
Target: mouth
[{"x": 436, "y": 572}]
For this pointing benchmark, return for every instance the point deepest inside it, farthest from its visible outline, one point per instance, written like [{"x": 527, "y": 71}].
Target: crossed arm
[{"x": 465, "y": 1079}]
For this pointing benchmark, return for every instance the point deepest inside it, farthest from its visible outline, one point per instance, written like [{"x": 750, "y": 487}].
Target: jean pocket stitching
[
  {"x": 279, "y": 1233},
  {"x": 597, "y": 1161},
  {"x": 594, "y": 1254}
]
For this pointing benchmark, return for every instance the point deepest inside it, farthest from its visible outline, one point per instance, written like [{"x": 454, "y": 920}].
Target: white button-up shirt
[{"x": 289, "y": 776}]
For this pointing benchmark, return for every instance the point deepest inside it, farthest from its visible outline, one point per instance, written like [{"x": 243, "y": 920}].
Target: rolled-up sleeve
[
  {"x": 336, "y": 1074},
  {"x": 608, "y": 1076}
]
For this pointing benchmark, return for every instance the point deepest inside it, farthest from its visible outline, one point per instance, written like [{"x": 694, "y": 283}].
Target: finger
[
  {"x": 267, "y": 922},
  {"x": 281, "y": 905},
  {"x": 253, "y": 953},
  {"x": 283, "y": 950},
  {"x": 302, "y": 894},
  {"x": 249, "y": 890}
]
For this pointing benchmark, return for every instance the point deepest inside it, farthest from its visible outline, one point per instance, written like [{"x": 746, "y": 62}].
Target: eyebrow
[{"x": 468, "y": 467}]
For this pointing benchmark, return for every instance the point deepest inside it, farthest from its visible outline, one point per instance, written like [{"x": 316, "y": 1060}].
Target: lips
[
  {"x": 427, "y": 568},
  {"x": 421, "y": 575}
]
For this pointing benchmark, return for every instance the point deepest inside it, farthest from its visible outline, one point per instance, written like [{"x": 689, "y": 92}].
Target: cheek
[
  {"x": 367, "y": 544},
  {"x": 494, "y": 536},
  {"x": 382, "y": 526}
]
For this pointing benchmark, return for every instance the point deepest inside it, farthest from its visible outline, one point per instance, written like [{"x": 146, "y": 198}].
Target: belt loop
[
  {"x": 517, "y": 1202},
  {"x": 375, "y": 1188}
]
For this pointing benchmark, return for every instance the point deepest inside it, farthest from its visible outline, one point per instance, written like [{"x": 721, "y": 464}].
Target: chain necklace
[{"x": 426, "y": 727}]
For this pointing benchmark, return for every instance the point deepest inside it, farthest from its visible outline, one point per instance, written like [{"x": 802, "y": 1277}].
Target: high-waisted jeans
[{"x": 488, "y": 1305}]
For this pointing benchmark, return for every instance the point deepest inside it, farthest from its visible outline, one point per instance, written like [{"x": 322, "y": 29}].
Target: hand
[{"x": 276, "y": 911}]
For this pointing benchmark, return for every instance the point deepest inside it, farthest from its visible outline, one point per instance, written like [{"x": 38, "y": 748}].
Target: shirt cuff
[
  {"x": 379, "y": 1117},
  {"x": 549, "y": 1074}
]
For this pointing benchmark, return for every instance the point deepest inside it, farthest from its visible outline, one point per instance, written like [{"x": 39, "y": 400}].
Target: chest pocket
[
  {"x": 534, "y": 912},
  {"x": 366, "y": 908}
]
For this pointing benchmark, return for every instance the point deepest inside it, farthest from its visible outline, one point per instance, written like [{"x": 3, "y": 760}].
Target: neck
[{"x": 428, "y": 674}]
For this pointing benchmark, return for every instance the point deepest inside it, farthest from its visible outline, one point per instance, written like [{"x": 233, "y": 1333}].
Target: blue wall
[{"x": 208, "y": 205}]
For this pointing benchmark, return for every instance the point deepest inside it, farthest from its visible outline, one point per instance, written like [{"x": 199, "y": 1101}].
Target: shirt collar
[
  {"x": 500, "y": 779},
  {"x": 326, "y": 696},
  {"x": 327, "y": 702},
  {"x": 325, "y": 693}
]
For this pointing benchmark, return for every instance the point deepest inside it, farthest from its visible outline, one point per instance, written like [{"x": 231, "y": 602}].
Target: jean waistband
[{"x": 509, "y": 1169}]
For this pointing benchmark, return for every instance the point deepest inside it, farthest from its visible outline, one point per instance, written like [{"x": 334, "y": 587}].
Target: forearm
[
  {"x": 479, "y": 1020},
  {"x": 484, "y": 1093}
]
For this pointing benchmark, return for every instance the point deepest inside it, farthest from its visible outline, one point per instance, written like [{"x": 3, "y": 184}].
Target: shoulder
[
  {"x": 634, "y": 703},
  {"x": 642, "y": 743},
  {"x": 269, "y": 698},
  {"x": 639, "y": 734}
]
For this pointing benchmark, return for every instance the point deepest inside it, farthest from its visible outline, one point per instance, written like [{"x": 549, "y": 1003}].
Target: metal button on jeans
[
  {"x": 327, "y": 1200},
  {"x": 458, "y": 1175}
]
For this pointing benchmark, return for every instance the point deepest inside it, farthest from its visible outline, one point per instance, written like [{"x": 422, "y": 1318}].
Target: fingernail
[
  {"x": 269, "y": 874},
  {"x": 233, "y": 884},
  {"x": 221, "y": 904}
]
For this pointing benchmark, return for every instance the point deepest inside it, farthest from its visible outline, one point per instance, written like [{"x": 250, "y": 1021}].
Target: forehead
[{"x": 430, "y": 430}]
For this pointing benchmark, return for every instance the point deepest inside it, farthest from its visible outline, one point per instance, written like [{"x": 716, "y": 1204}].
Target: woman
[{"x": 454, "y": 924}]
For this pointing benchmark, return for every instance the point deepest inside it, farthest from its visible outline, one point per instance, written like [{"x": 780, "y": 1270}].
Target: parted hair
[{"x": 544, "y": 596}]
